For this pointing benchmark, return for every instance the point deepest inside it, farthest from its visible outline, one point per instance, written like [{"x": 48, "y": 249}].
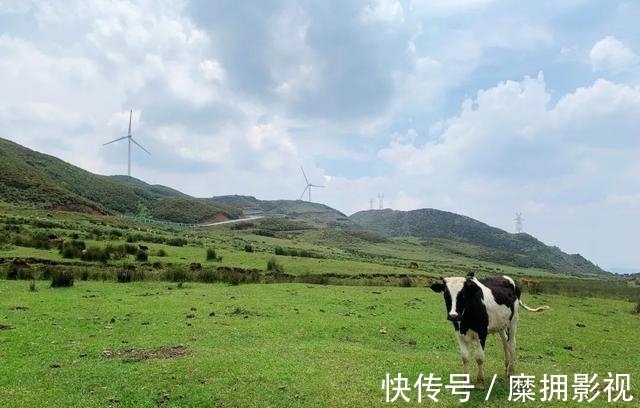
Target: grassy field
[{"x": 149, "y": 344}]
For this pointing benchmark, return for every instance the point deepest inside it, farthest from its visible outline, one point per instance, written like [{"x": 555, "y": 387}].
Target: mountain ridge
[
  {"x": 44, "y": 181},
  {"x": 519, "y": 249}
]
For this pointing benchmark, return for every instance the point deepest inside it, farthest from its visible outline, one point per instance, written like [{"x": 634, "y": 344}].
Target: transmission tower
[
  {"x": 518, "y": 221},
  {"x": 371, "y": 204},
  {"x": 380, "y": 198}
]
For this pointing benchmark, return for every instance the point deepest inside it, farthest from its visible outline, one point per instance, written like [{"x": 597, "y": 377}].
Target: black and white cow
[{"x": 477, "y": 307}]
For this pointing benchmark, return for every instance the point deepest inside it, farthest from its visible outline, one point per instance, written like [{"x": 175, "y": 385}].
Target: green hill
[
  {"x": 36, "y": 179},
  {"x": 484, "y": 242}
]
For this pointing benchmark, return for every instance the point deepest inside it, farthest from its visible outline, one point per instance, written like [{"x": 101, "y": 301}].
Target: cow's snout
[{"x": 453, "y": 317}]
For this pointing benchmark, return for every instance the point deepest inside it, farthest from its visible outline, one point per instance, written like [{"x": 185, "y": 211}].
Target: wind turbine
[
  {"x": 131, "y": 139},
  {"x": 308, "y": 186}
]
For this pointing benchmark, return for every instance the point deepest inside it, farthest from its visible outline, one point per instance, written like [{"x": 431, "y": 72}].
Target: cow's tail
[{"x": 537, "y": 309}]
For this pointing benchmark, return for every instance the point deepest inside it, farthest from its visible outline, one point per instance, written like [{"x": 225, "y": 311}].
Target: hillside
[
  {"x": 491, "y": 244},
  {"x": 298, "y": 209},
  {"x": 36, "y": 179}
]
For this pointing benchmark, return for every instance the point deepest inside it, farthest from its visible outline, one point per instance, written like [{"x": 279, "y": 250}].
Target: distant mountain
[
  {"x": 298, "y": 209},
  {"x": 493, "y": 244},
  {"x": 32, "y": 178}
]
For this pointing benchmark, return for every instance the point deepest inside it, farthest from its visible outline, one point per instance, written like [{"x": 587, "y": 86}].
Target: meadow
[
  {"x": 202, "y": 320},
  {"x": 149, "y": 344}
]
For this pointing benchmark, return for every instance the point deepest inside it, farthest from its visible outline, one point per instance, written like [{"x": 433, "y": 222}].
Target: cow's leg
[
  {"x": 507, "y": 354},
  {"x": 464, "y": 352},
  {"x": 511, "y": 345},
  {"x": 480, "y": 360}
]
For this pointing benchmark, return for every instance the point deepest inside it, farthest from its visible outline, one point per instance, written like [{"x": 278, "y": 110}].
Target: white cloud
[
  {"x": 417, "y": 99},
  {"x": 386, "y": 11},
  {"x": 611, "y": 54},
  {"x": 447, "y": 7}
]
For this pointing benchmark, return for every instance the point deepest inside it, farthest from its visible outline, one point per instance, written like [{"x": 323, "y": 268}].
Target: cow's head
[{"x": 457, "y": 291}]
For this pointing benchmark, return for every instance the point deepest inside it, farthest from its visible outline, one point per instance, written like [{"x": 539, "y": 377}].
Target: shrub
[
  {"x": 95, "y": 254},
  {"x": 142, "y": 256},
  {"x": 317, "y": 279},
  {"x": 61, "y": 279},
  {"x": 636, "y": 310},
  {"x": 32, "y": 286},
  {"x": 274, "y": 266},
  {"x": 73, "y": 249},
  {"x": 130, "y": 249},
  {"x": 248, "y": 248},
  {"x": 176, "y": 274},
  {"x": 129, "y": 273},
  {"x": 406, "y": 282},
  {"x": 124, "y": 276},
  {"x": 115, "y": 252},
  {"x": 19, "y": 270},
  {"x": 162, "y": 252},
  {"x": 176, "y": 242},
  {"x": 211, "y": 254}
]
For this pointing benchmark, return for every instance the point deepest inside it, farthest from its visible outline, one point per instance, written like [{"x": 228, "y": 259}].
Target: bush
[
  {"x": 274, "y": 266},
  {"x": 95, "y": 254},
  {"x": 61, "y": 279},
  {"x": 636, "y": 310},
  {"x": 248, "y": 248},
  {"x": 129, "y": 274},
  {"x": 211, "y": 254},
  {"x": 19, "y": 270},
  {"x": 176, "y": 274},
  {"x": 130, "y": 249},
  {"x": 162, "y": 252},
  {"x": 32, "y": 286},
  {"x": 124, "y": 276},
  {"x": 406, "y": 282},
  {"x": 73, "y": 249},
  {"x": 317, "y": 279},
  {"x": 115, "y": 252},
  {"x": 176, "y": 242},
  {"x": 142, "y": 256}
]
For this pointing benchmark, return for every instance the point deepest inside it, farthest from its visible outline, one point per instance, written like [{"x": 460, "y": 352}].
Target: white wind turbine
[
  {"x": 308, "y": 186},
  {"x": 130, "y": 139}
]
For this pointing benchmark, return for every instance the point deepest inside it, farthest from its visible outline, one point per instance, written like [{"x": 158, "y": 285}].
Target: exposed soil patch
[{"x": 133, "y": 354}]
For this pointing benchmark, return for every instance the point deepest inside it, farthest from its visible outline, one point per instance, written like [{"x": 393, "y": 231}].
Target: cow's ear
[{"x": 437, "y": 287}]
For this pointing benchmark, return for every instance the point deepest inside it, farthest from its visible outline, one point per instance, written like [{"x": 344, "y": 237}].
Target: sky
[{"x": 485, "y": 108}]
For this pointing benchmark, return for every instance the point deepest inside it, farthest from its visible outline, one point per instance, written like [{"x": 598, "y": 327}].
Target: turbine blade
[
  {"x": 130, "y": 114},
  {"x": 305, "y": 176},
  {"x": 140, "y": 146},
  {"x": 116, "y": 140},
  {"x": 315, "y": 185}
]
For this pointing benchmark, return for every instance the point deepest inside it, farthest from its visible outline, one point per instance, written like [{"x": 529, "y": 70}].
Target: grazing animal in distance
[
  {"x": 529, "y": 283},
  {"x": 477, "y": 307}
]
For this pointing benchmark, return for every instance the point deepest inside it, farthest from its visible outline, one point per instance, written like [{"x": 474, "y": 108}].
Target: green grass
[{"x": 277, "y": 345}]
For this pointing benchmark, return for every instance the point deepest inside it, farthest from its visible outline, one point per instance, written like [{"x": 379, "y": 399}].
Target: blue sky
[{"x": 480, "y": 107}]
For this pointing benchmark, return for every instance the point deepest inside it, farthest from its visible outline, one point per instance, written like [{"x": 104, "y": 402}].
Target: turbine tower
[
  {"x": 308, "y": 186},
  {"x": 130, "y": 139}
]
